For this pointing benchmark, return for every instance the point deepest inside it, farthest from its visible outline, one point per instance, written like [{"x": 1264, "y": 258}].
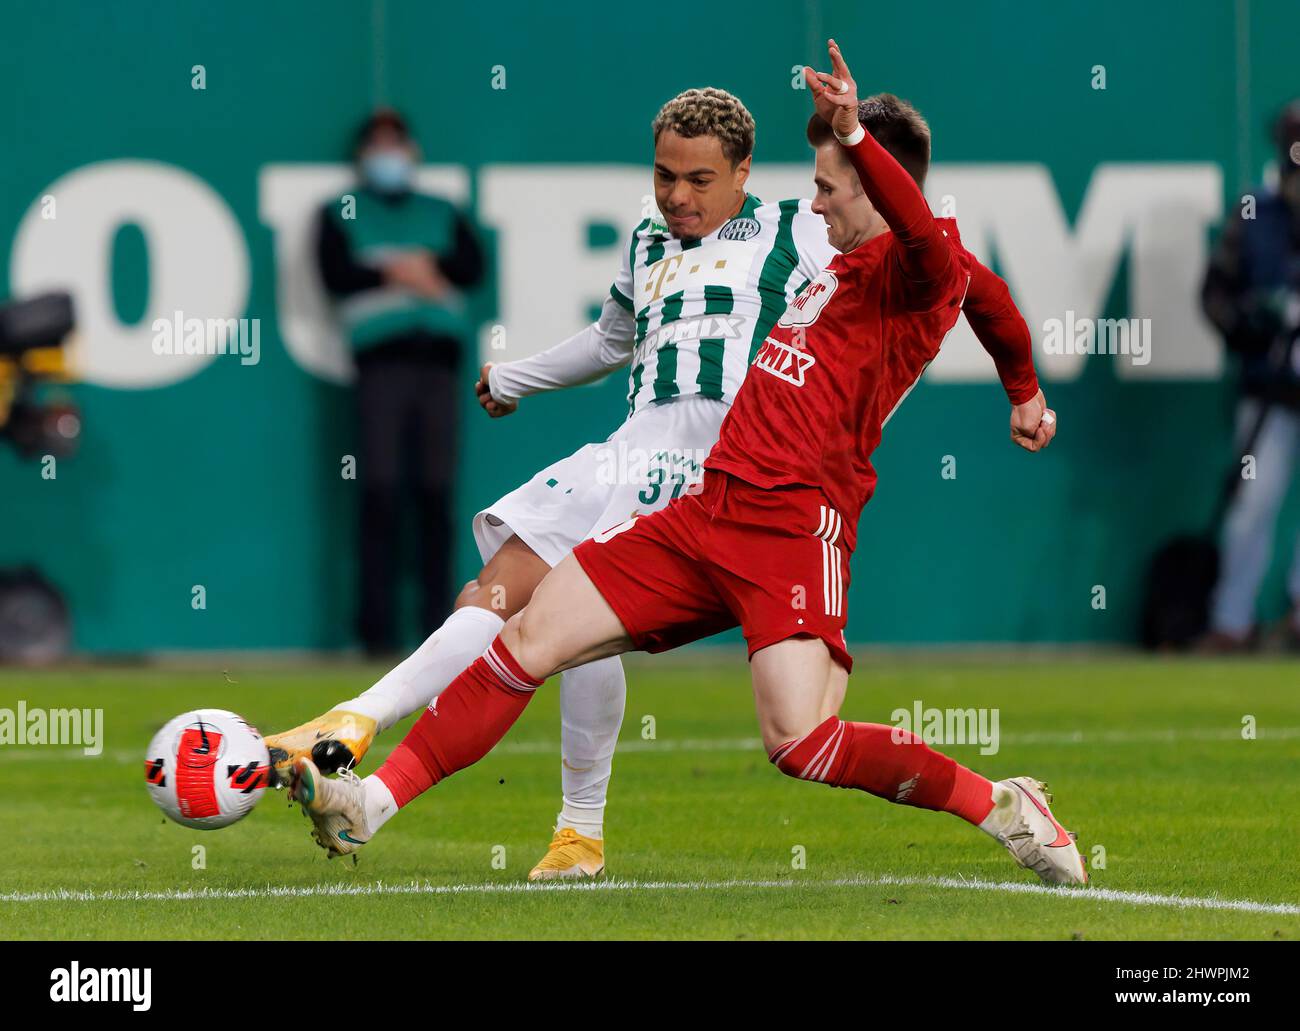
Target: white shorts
[{"x": 649, "y": 460}]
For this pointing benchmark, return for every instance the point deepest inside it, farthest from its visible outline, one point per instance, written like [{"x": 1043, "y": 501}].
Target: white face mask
[{"x": 388, "y": 171}]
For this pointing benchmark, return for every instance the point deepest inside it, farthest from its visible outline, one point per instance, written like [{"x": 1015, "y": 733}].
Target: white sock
[
  {"x": 380, "y": 804},
  {"x": 592, "y": 699},
  {"x": 1006, "y": 804},
  {"x": 425, "y": 674},
  {"x": 589, "y": 821}
]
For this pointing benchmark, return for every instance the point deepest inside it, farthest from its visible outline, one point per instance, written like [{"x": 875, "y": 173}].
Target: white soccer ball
[{"x": 207, "y": 768}]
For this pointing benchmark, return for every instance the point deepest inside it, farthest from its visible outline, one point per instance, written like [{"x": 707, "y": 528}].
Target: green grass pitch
[{"x": 1146, "y": 758}]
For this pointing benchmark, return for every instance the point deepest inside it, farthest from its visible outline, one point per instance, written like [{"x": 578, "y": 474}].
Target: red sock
[
  {"x": 889, "y": 763},
  {"x": 469, "y": 717}
]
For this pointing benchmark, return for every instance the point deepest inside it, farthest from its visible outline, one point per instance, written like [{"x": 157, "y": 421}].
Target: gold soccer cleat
[
  {"x": 336, "y": 741},
  {"x": 570, "y": 855}
]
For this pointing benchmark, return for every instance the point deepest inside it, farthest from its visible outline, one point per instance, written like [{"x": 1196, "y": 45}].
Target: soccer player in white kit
[{"x": 695, "y": 296}]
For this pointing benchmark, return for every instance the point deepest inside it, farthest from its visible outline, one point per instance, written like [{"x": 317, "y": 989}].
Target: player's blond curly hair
[{"x": 709, "y": 112}]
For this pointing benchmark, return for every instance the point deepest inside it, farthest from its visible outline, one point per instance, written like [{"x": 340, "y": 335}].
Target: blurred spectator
[
  {"x": 393, "y": 259},
  {"x": 1252, "y": 294}
]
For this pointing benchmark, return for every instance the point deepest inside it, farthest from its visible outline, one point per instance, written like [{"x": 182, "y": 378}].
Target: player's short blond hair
[{"x": 709, "y": 112}]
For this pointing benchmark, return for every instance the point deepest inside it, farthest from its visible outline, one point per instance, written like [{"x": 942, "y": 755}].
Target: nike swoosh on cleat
[
  {"x": 1062, "y": 836},
  {"x": 345, "y": 836}
]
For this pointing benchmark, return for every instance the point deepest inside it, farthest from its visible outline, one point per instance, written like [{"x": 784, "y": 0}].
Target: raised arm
[
  {"x": 926, "y": 260},
  {"x": 1002, "y": 332}
]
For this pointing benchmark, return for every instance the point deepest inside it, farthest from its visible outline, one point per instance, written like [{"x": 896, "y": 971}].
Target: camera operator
[{"x": 1252, "y": 294}]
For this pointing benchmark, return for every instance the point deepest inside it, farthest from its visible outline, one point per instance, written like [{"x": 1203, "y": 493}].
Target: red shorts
[{"x": 773, "y": 562}]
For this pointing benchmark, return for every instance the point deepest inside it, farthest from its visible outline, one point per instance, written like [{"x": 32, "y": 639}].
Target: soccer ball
[{"x": 207, "y": 768}]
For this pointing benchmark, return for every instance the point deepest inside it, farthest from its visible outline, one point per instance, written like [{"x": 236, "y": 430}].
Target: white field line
[
  {"x": 1155, "y": 736},
  {"x": 1132, "y": 898}
]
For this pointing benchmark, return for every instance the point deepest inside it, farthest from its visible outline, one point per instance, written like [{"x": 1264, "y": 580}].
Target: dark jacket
[{"x": 1249, "y": 294}]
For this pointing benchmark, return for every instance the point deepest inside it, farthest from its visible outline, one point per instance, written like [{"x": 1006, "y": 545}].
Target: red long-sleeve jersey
[{"x": 852, "y": 345}]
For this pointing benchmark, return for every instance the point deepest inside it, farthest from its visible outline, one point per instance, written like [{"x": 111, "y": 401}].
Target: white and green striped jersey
[{"x": 703, "y": 307}]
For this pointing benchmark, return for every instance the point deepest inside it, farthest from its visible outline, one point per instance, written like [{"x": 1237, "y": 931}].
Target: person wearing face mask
[
  {"x": 395, "y": 260},
  {"x": 1252, "y": 295}
]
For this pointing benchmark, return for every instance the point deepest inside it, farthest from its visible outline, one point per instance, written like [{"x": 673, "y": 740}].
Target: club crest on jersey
[
  {"x": 805, "y": 308},
  {"x": 739, "y": 229},
  {"x": 784, "y": 361}
]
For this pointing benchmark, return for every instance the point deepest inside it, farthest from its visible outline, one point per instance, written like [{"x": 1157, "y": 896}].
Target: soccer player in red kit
[{"x": 766, "y": 543}]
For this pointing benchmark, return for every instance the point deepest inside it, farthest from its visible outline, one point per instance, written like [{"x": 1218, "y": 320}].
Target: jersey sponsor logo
[
  {"x": 740, "y": 229},
  {"x": 784, "y": 361},
  {"x": 709, "y": 327},
  {"x": 805, "y": 308},
  {"x": 713, "y": 263}
]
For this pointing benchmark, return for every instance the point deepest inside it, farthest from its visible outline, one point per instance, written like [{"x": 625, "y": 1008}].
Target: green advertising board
[{"x": 165, "y": 160}]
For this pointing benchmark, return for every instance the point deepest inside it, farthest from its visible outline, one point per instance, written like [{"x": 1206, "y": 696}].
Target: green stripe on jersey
[
  {"x": 718, "y": 300},
  {"x": 653, "y": 253},
  {"x": 666, "y": 367},
  {"x": 776, "y": 270},
  {"x": 747, "y": 292},
  {"x": 614, "y": 291},
  {"x": 636, "y": 238},
  {"x": 635, "y": 387}
]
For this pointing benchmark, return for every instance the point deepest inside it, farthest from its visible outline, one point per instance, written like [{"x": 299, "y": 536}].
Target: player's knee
[
  {"x": 529, "y": 646},
  {"x": 774, "y": 737},
  {"x": 806, "y": 756},
  {"x": 467, "y": 594},
  {"x": 491, "y": 591}
]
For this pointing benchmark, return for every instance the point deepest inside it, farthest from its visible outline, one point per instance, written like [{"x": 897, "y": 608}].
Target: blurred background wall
[{"x": 206, "y": 471}]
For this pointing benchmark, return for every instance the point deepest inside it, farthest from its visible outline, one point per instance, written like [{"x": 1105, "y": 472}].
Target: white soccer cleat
[
  {"x": 1023, "y": 823},
  {"x": 337, "y": 808}
]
